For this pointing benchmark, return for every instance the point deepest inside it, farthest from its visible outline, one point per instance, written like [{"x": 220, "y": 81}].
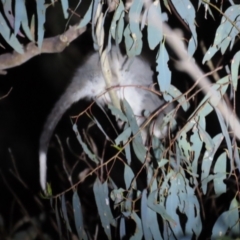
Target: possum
[{"x": 88, "y": 83}]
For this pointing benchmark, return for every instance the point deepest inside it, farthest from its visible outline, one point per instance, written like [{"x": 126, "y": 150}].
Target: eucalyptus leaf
[
  {"x": 207, "y": 161},
  {"x": 64, "y": 211},
  {"x": 78, "y": 216},
  {"x": 164, "y": 74},
  {"x": 138, "y": 233},
  {"x": 117, "y": 19},
  {"x": 102, "y": 200},
  {"x": 226, "y": 32},
  {"x": 122, "y": 228},
  {"x": 138, "y": 146},
  {"x": 87, "y": 17},
  {"x": 234, "y": 69},
  {"x": 154, "y": 22},
  {"x": 132, "y": 33},
  {"x": 128, "y": 175},
  {"x": 65, "y": 7},
  {"x": 11, "y": 39},
  {"x": 228, "y": 219},
  {"x": 187, "y": 12},
  {"x": 144, "y": 216},
  {"x": 21, "y": 18},
  {"x": 41, "y": 17},
  {"x": 157, "y": 207}
]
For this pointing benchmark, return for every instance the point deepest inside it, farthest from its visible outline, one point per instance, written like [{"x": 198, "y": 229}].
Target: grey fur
[{"x": 88, "y": 82}]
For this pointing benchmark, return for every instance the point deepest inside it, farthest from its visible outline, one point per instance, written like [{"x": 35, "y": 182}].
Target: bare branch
[{"x": 50, "y": 45}]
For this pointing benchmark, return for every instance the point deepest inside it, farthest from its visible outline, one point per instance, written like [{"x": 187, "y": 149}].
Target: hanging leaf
[
  {"x": 138, "y": 234},
  {"x": 181, "y": 99},
  {"x": 138, "y": 146},
  {"x": 157, "y": 207},
  {"x": 11, "y": 39},
  {"x": 78, "y": 216},
  {"x": 164, "y": 74},
  {"x": 117, "y": 23},
  {"x": 65, "y": 7},
  {"x": 228, "y": 220},
  {"x": 193, "y": 212},
  {"x": 41, "y": 16},
  {"x": 220, "y": 170},
  {"x": 21, "y": 18},
  {"x": 122, "y": 228},
  {"x": 226, "y": 32},
  {"x": 124, "y": 136},
  {"x": 64, "y": 211},
  {"x": 128, "y": 176},
  {"x": 184, "y": 144},
  {"x": 144, "y": 216},
  {"x": 132, "y": 33},
  {"x": 207, "y": 161},
  {"x": 226, "y": 136},
  {"x": 87, "y": 17},
  {"x": 103, "y": 205},
  {"x": 197, "y": 145},
  {"x": 187, "y": 12},
  {"x": 117, "y": 113},
  {"x": 154, "y": 28},
  {"x": 234, "y": 70}
]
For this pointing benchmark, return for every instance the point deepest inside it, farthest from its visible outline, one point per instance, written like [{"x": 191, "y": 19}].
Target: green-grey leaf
[
  {"x": 124, "y": 136},
  {"x": 117, "y": 23},
  {"x": 87, "y": 17},
  {"x": 138, "y": 234},
  {"x": 220, "y": 167},
  {"x": 78, "y": 216},
  {"x": 234, "y": 70},
  {"x": 226, "y": 32},
  {"x": 228, "y": 219},
  {"x": 153, "y": 224},
  {"x": 157, "y": 207},
  {"x": 162, "y": 162},
  {"x": 132, "y": 33},
  {"x": 154, "y": 28},
  {"x": 128, "y": 175},
  {"x": 103, "y": 205},
  {"x": 122, "y": 228},
  {"x": 117, "y": 113},
  {"x": 187, "y": 12},
  {"x": 65, "y": 8},
  {"x": 175, "y": 93},
  {"x": 226, "y": 136},
  {"x": 41, "y": 16},
  {"x": 120, "y": 27},
  {"x": 144, "y": 216},
  {"x": 21, "y": 18},
  {"x": 64, "y": 211},
  {"x": 138, "y": 146},
  {"x": 164, "y": 74},
  {"x": 207, "y": 161},
  {"x": 11, "y": 39}
]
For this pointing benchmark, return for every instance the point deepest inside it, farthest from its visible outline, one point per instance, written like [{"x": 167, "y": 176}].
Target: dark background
[{"x": 36, "y": 86}]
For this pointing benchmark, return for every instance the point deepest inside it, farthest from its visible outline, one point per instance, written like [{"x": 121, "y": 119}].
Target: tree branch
[{"x": 50, "y": 45}]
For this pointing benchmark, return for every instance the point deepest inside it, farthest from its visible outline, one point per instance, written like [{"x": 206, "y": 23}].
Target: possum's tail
[{"x": 62, "y": 105}]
